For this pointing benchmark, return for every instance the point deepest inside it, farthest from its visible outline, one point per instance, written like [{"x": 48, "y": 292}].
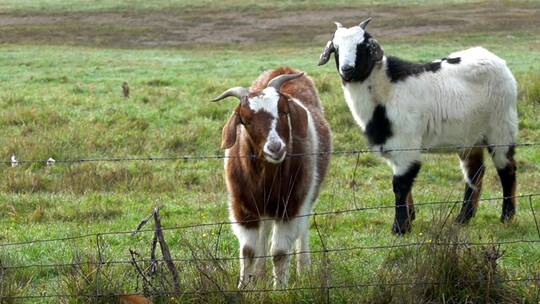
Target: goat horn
[
  {"x": 364, "y": 23},
  {"x": 278, "y": 81},
  {"x": 238, "y": 92},
  {"x": 338, "y": 25}
]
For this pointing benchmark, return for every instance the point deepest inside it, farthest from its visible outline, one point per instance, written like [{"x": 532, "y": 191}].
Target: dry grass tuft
[
  {"x": 90, "y": 281},
  {"x": 447, "y": 269},
  {"x": 13, "y": 282},
  {"x": 530, "y": 88}
]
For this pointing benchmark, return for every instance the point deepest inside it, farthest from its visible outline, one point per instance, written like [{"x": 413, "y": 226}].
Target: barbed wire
[
  {"x": 318, "y": 251},
  {"x": 51, "y": 161},
  {"x": 265, "y": 290},
  {"x": 325, "y": 250},
  {"x": 312, "y": 214}
]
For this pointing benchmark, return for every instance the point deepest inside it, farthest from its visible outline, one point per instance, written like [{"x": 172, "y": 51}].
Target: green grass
[
  {"x": 66, "y": 102},
  {"x": 232, "y": 5}
]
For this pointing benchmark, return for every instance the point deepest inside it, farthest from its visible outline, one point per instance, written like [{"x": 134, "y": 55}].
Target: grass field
[{"x": 60, "y": 96}]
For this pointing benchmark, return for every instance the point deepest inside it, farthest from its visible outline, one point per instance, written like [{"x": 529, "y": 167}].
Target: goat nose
[
  {"x": 347, "y": 70},
  {"x": 274, "y": 147}
]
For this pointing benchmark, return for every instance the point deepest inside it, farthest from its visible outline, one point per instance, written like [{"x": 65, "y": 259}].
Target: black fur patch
[
  {"x": 379, "y": 127},
  {"x": 398, "y": 70},
  {"x": 364, "y": 61},
  {"x": 402, "y": 184},
  {"x": 507, "y": 176},
  {"x": 455, "y": 60}
]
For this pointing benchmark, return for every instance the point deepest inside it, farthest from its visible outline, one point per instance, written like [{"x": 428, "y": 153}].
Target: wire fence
[
  {"x": 50, "y": 161},
  {"x": 221, "y": 223},
  {"x": 98, "y": 238},
  {"x": 327, "y": 250},
  {"x": 263, "y": 290}
]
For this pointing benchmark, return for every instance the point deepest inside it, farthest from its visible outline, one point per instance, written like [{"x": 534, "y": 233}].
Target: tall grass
[
  {"x": 530, "y": 88},
  {"x": 454, "y": 272},
  {"x": 89, "y": 281},
  {"x": 13, "y": 282}
]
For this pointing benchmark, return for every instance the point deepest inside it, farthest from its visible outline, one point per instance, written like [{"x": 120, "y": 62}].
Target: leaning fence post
[
  {"x": 165, "y": 251},
  {"x": 147, "y": 285}
]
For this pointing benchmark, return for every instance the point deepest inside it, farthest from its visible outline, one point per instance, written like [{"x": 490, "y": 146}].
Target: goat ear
[
  {"x": 228, "y": 134},
  {"x": 299, "y": 119},
  {"x": 375, "y": 50},
  {"x": 328, "y": 50}
]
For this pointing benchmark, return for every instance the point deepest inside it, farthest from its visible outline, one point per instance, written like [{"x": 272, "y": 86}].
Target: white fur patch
[
  {"x": 267, "y": 101},
  {"x": 345, "y": 41},
  {"x": 469, "y": 103},
  {"x": 273, "y": 137},
  {"x": 314, "y": 138}
]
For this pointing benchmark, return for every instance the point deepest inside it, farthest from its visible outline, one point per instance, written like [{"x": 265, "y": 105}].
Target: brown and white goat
[{"x": 276, "y": 145}]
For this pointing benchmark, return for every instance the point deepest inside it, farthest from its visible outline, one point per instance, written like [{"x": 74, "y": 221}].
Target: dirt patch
[{"x": 180, "y": 29}]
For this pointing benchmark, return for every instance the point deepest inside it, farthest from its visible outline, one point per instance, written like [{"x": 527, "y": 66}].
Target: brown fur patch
[
  {"x": 280, "y": 257},
  {"x": 259, "y": 188},
  {"x": 248, "y": 252},
  {"x": 475, "y": 171},
  {"x": 473, "y": 161},
  {"x": 133, "y": 299},
  {"x": 302, "y": 88},
  {"x": 410, "y": 206},
  {"x": 228, "y": 134}
]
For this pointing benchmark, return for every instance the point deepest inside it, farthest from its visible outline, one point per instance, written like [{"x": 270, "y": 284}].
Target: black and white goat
[
  {"x": 280, "y": 123},
  {"x": 466, "y": 99}
]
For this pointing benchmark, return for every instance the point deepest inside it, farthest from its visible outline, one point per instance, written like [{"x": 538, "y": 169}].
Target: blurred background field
[{"x": 63, "y": 64}]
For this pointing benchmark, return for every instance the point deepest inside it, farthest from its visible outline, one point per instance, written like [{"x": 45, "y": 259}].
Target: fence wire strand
[
  {"x": 324, "y": 251},
  {"x": 262, "y": 290},
  {"x": 321, "y": 213},
  {"x": 221, "y": 157}
]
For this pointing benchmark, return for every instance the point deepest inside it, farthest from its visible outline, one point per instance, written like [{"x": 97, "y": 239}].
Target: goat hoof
[
  {"x": 402, "y": 229},
  {"x": 465, "y": 216},
  {"x": 247, "y": 283},
  {"x": 462, "y": 219},
  {"x": 507, "y": 217}
]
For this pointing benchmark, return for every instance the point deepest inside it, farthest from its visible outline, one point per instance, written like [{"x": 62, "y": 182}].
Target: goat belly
[{"x": 280, "y": 198}]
